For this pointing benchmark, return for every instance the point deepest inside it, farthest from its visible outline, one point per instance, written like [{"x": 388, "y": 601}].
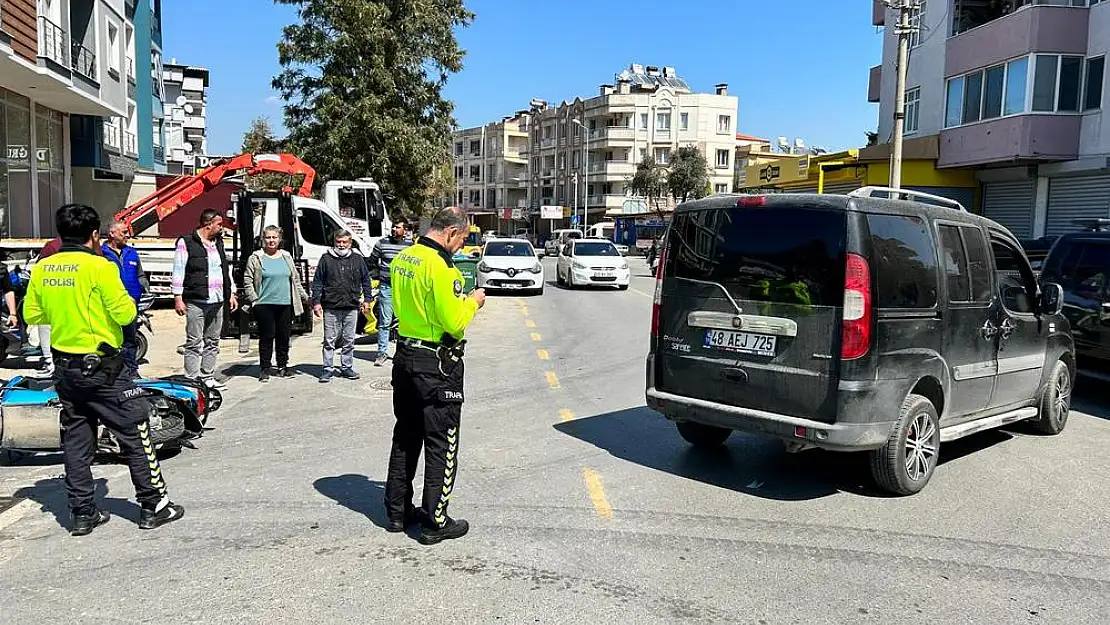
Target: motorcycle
[
  {"x": 13, "y": 339},
  {"x": 30, "y": 414},
  {"x": 143, "y": 321}
]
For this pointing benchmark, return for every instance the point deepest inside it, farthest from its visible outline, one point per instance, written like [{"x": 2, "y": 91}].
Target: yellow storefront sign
[{"x": 765, "y": 171}]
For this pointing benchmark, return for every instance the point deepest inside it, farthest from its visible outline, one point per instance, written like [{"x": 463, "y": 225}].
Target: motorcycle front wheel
[{"x": 141, "y": 345}]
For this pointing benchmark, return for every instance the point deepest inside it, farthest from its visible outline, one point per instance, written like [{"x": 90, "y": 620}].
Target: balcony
[
  {"x": 194, "y": 122},
  {"x": 613, "y": 168},
  {"x": 548, "y": 142},
  {"x": 875, "y": 84},
  {"x": 608, "y": 201},
  {"x": 112, "y": 138},
  {"x": 84, "y": 61},
  {"x": 1016, "y": 139},
  {"x": 130, "y": 144},
  {"x": 620, "y": 133},
  {"x": 53, "y": 42},
  {"x": 1038, "y": 28}
]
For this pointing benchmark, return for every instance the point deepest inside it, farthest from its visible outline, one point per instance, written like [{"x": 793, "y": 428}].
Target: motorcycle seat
[{"x": 36, "y": 384}]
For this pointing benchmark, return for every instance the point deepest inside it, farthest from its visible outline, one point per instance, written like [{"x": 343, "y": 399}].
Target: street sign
[
  {"x": 551, "y": 212},
  {"x": 574, "y": 220}
]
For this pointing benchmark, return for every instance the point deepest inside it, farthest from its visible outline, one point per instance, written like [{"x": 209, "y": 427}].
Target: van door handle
[{"x": 989, "y": 330}]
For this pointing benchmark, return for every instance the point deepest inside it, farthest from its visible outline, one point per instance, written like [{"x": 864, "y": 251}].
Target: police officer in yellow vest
[
  {"x": 79, "y": 294},
  {"x": 432, "y": 313}
]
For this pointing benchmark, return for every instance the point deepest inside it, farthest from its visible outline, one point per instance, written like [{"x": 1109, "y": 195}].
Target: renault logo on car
[{"x": 511, "y": 272}]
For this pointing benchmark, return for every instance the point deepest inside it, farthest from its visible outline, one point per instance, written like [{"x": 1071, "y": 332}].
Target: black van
[{"x": 853, "y": 323}]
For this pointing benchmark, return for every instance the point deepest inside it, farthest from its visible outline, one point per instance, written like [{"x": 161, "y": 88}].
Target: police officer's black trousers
[
  {"x": 427, "y": 401},
  {"x": 107, "y": 398}
]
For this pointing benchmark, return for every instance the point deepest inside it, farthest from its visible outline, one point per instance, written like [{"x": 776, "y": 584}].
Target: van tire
[
  {"x": 701, "y": 435},
  {"x": 1055, "y": 402},
  {"x": 917, "y": 420}
]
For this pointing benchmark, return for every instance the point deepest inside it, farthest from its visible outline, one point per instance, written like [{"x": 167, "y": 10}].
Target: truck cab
[{"x": 360, "y": 205}]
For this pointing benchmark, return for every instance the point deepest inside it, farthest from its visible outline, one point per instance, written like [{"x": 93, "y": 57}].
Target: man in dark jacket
[
  {"x": 116, "y": 249},
  {"x": 340, "y": 286},
  {"x": 378, "y": 262}
]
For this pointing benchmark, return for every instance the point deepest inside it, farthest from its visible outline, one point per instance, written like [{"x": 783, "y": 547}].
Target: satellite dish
[
  {"x": 188, "y": 147},
  {"x": 181, "y": 100},
  {"x": 783, "y": 143},
  {"x": 799, "y": 144},
  {"x": 189, "y": 108}
]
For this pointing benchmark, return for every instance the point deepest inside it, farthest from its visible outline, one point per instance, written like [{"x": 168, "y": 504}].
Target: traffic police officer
[
  {"x": 432, "y": 313},
  {"x": 80, "y": 295}
]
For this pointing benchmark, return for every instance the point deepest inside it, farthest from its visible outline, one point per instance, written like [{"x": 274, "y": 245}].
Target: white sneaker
[{"x": 214, "y": 383}]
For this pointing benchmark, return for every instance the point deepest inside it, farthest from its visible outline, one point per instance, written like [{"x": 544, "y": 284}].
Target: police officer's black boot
[
  {"x": 85, "y": 521},
  {"x": 413, "y": 516},
  {"x": 151, "y": 518},
  {"x": 454, "y": 528}
]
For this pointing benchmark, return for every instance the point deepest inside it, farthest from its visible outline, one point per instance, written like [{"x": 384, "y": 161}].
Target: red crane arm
[{"x": 156, "y": 206}]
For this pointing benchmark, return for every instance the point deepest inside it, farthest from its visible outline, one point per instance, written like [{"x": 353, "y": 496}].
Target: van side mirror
[{"x": 1052, "y": 299}]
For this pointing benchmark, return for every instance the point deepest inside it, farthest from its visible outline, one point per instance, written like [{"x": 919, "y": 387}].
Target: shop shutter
[
  {"x": 1011, "y": 204},
  {"x": 842, "y": 188},
  {"x": 1076, "y": 198}
]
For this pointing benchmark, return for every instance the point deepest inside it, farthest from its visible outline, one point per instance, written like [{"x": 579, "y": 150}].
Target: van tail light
[
  {"x": 856, "y": 326},
  {"x": 751, "y": 200},
  {"x": 657, "y": 300}
]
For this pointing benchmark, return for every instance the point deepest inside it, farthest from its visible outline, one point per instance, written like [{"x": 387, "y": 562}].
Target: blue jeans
[{"x": 385, "y": 316}]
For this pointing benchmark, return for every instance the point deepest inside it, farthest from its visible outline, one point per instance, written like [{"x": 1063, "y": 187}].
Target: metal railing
[
  {"x": 159, "y": 153},
  {"x": 53, "y": 41},
  {"x": 130, "y": 144},
  {"x": 84, "y": 60},
  {"x": 112, "y": 134}
]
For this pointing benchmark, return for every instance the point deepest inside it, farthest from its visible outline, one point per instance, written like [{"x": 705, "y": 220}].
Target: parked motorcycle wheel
[
  {"x": 167, "y": 428},
  {"x": 141, "y": 345}
]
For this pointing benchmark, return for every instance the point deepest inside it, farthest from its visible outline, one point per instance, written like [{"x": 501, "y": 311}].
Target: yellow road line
[
  {"x": 552, "y": 379},
  {"x": 543, "y": 355},
  {"x": 529, "y": 323},
  {"x": 597, "y": 493},
  {"x": 536, "y": 336},
  {"x": 566, "y": 415},
  {"x": 639, "y": 292}
]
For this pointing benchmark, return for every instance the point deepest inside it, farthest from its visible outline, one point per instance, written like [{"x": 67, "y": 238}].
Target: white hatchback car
[
  {"x": 591, "y": 262},
  {"x": 510, "y": 264}
]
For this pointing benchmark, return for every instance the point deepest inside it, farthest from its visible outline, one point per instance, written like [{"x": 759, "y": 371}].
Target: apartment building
[
  {"x": 185, "y": 124},
  {"x": 491, "y": 167},
  {"x": 585, "y": 152},
  {"x": 62, "y": 69},
  {"x": 1014, "y": 92}
]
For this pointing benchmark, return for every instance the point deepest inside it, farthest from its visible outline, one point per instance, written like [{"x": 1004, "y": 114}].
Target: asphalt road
[{"x": 585, "y": 508}]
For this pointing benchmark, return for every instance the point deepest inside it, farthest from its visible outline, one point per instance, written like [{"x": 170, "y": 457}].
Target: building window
[
  {"x": 994, "y": 82},
  {"x": 913, "y": 106},
  {"x": 1092, "y": 83},
  {"x": 683, "y": 121},
  {"x": 476, "y": 173},
  {"x": 475, "y": 147},
  {"x": 662, "y": 156},
  {"x": 915, "y": 24},
  {"x": 720, "y": 188},
  {"x": 663, "y": 121},
  {"x": 113, "y": 49},
  {"x": 724, "y": 124},
  {"x": 643, "y": 121},
  {"x": 1002, "y": 90},
  {"x": 722, "y": 159},
  {"x": 1017, "y": 80},
  {"x": 458, "y": 148},
  {"x": 1056, "y": 82}
]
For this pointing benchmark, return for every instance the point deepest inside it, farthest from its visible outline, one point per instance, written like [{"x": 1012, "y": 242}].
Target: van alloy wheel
[
  {"x": 1055, "y": 404},
  {"x": 920, "y": 449}
]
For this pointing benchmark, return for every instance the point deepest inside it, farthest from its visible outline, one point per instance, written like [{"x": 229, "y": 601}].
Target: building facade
[
  {"x": 185, "y": 117},
  {"x": 491, "y": 167},
  {"x": 583, "y": 154},
  {"x": 62, "y": 70},
  {"x": 1014, "y": 92}
]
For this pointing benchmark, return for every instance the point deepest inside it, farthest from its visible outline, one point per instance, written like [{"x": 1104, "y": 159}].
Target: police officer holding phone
[
  {"x": 432, "y": 313},
  {"x": 79, "y": 294}
]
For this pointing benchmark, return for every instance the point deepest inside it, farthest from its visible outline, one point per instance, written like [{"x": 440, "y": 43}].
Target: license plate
[
  {"x": 743, "y": 342},
  {"x": 604, "y": 274}
]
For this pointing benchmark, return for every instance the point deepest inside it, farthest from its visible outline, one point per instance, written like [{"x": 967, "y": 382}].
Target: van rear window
[{"x": 779, "y": 254}]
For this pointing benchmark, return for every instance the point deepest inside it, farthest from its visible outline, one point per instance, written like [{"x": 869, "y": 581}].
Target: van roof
[{"x": 839, "y": 202}]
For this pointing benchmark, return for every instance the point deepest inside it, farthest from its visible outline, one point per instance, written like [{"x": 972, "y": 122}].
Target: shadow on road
[
  {"x": 357, "y": 493},
  {"x": 1090, "y": 398},
  {"x": 753, "y": 465},
  {"x": 50, "y": 494}
]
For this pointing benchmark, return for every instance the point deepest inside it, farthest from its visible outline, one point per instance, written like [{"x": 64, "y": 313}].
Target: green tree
[
  {"x": 259, "y": 139},
  {"x": 362, "y": 82},
  {"x": 688, "y": 174},
  {"x": 649, "y": 181}
]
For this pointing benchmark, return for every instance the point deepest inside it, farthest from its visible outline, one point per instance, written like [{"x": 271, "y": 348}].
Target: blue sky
[{"x": 798, "y": 67}]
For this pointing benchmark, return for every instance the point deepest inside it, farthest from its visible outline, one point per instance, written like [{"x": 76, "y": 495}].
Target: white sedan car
[
  {"x": 510, "y": 264},
  {"x": 591, "y": 262}
]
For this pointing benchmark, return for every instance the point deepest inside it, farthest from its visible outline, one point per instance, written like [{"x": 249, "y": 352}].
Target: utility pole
[{"x": 904, "y": 31}]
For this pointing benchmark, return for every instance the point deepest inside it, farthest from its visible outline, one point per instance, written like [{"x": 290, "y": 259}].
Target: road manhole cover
[
  {"x": 7, "y": 502},
  {"x": 382, "y": 384}
]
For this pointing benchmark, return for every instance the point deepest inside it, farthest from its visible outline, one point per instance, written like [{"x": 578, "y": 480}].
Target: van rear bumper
[{"x": 833, "y": 436}]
